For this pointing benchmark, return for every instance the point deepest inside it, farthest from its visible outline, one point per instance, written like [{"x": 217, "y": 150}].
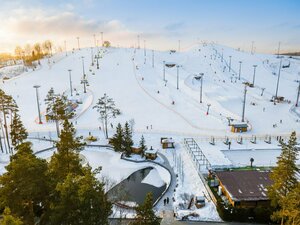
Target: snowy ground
[{"x": 141, "y": 93}]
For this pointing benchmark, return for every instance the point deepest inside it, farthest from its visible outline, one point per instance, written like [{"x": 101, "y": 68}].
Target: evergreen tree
[
  {"x": 107, "y": 109},
  {"x": 24, "y": 187},
  {"x": 284, "y": 178},
  {"x": 143, "y": 146},
  {"x": 117, "y": 139},
  {"x": 128, "y": 143},
  {"x": 66, "y": 160},
  {"x": 145, "y": 214},
  {"x": 81, "y": 201},
  {"x": 9, "y": 219},
  {"x": 18, "y": 132}
]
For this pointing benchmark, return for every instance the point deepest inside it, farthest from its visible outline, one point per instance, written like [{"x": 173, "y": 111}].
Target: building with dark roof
[{"x": 245, "y": 188}]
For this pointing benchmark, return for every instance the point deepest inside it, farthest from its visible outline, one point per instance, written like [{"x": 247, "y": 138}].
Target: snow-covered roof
[
  {"x": 151, "y": 151},
  {"x": 239, "y": 124},
  {"x": 167, "y": 140}
]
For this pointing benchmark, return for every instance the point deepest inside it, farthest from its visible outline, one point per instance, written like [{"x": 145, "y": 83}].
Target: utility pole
[
  {"x": 201, "y": 84},
  {"x": 244, "y": 104},
  {"x": 153, "y": 58},
  {"x": 70, "y": 81},
  {"x": 92, "y": 54},
  {"x": 102, "y": 38},
  {"x": 177, "y": 77},
  {"x": 95, "y": 40},
  {"x": 278, "y": 49},
  {"x": 230, "y": 63},
  {"x": 278, "y": 78},
  {"x": 164, "y": 70},
  {"x": 298, "y": 94},
  {"x": 38, "y": 102},
  {"x": 254, "y": 67},
  {"x": 65, "y": 42},
  {"x": 240, "y": 69},
  {"x": 252, "y": 46},
  {"x": 78, "y": 43}
]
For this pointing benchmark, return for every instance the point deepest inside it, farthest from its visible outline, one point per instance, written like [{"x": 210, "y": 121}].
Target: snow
[
  {"x": 154, "y": 179},
  {"x": 141, "y": 94}
]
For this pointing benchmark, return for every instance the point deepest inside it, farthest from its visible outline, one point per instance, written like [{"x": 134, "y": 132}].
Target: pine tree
[
  {"x": 143, "y": 146},
  {"x": 145, "y": 214},
  {"x": 18, "y": 132},
  {"x": 128, "y": 143},
  {"x": 117, "y": 139},
  {"x": 24, "y": 187},
  {"x": 81, "y": 201},
  {"x": 9, "y": 219},
  {"x": 284, "y": 178},
  {"x": 66, "y": 160},
  {"x": 107, "y": 109}
]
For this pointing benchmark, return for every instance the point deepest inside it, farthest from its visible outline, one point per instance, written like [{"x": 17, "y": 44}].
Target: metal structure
[
  {"x": 254, "y": 67},
  {"x": 244, "y": 104},
  {"x": 177, "y": 76},
  {"x": 278, "y": 78},
  {"x": 38, "y": 102},
  {"x": 70, "y": 81},
  {"x": 240, "y": 69},
  {"x": 298, "y": 94}
]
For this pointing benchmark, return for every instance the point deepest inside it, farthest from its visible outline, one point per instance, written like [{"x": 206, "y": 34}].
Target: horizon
[{"x": 161, "y": 24}]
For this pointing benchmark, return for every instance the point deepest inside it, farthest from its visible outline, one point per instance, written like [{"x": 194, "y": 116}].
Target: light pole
[
  {"x": 84, "y": 82},
  {"x": 38, "y": 102},
  {"x": 70, "y": 81},
  {"x": 153, "y": 58},
  {"x": 254, "y": 67},
  {"x": 78, "y": 43},
  {"x": 65, "y": 42},
  {"x": 208, "y": 106},
  {"x": 230, "y": 63},
  {"x": 201, "y": 84},
  {"x": 240, "y": 69},
  {"x": 92, "y": 54},
  {"x": 97, "y": 57},
  {"x": 102, "y": 38},
  {"x": 278, "y": 50},
  {"x": 177, "y": 76},
  {"x": 83, "y": 72},
  {"x": 164, "y": 70},
  {"x": 298, "y": 94},
  {"x": 278, "y": 78},
  {"x": 244, "y": 104}
]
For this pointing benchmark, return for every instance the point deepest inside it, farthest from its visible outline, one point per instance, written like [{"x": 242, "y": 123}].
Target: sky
[{"x": 159, "y": 23}]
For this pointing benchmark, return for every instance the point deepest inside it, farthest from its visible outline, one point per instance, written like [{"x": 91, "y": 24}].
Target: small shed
[
  {"x": 167, "y": 142},
  {"x": 199, "y": 201},
  {"x": 151, "y": 154},
  {"x": 238, "y": 127},
  {"x": 136, "y": 150}
]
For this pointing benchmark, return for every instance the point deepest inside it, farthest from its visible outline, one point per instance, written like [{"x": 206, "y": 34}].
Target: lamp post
[
  {"x": 201, "y": 84},
  {"x": 92, "y": 54},
  {"x": 208, "y": 106},
  {"x": 38, "y": 102},
  {"x": 244, "y": 104},
  {"x": 65, "y": 42},
  {"x": 102, "y": 42},
  {"x": 254, "y": 71},
  {"x": 298, "y": 94},
  {"x": 177, "y": 76},
  {"x": 153, "y": 58},
  {"x": 164, "y": 70},
  {"x": 78, "y": 43},
  {"x": 278, "y": 78},
  {"x": 97, "y": 57},
  {"x": 230, "y": 63},
  {"x": 83, "y": 72},
  {"x": 70, "y": 81},
  {"x": 240, "y": 69}
]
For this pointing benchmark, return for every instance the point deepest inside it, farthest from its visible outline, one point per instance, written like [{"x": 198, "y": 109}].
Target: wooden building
[
  {"x": 167, "y": 143},
  {"x": 245, "y": 188},
  {"x": 151, "y": 154},
  {"x": 239, "y": 127}
]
